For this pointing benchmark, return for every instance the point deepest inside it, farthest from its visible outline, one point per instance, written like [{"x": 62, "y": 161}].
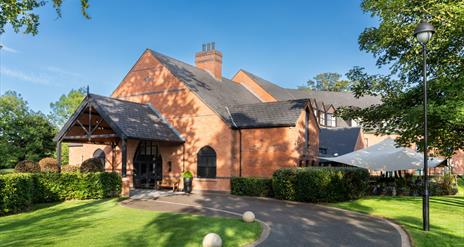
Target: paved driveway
[{"x": 291, "y": 224}]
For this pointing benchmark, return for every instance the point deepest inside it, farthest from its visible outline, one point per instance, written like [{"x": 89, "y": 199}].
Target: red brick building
[{"x": 167, "y": 116}]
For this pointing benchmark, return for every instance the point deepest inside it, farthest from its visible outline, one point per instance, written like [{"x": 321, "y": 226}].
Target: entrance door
[{"x": 147, "y": 165}]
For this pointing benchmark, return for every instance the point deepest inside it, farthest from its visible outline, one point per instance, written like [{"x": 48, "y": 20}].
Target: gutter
[{"x": 240, "y": 140}]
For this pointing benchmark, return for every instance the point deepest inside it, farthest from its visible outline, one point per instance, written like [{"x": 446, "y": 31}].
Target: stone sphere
[
  {"x": 248, "y": 216},
  {"x": 212, "y": 240}
]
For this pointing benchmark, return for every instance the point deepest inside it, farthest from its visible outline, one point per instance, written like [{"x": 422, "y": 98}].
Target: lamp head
[{"x": 424, "y": 32}]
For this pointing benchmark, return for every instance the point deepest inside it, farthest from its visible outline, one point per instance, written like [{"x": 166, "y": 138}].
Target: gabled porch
[{"x": 122, "y": 125}]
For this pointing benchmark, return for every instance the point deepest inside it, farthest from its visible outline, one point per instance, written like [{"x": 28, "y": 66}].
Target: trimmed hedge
[
  {"x": 70, "y": 168},
  {"x": 48, "y": 164},
  {"x": 320, "y": 184},
  {"x": 92, "y": 165},
  {"x": 27, "y": 166},
  {"x": 15, "y": 192},
  {"x": 251, "y": 186},
  {"x": 19, "y": 191}
]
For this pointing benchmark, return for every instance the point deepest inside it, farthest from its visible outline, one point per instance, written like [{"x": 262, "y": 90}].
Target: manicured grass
[
  {"x": 5, "y": 171},
  {"x": 446, "y": 216},
  {"x": 106, "y": 223}
]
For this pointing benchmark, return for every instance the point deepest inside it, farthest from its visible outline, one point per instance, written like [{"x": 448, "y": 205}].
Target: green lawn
[
  {"x": 446, "y": 216},
  {"x": 106, "y": 223}
]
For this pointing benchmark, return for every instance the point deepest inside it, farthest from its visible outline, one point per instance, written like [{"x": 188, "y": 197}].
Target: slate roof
[
  {"x": 338, "y": 140},
  {"x": 270, "y": 114},
  {"x": 337, "y": 99},
  {"x": 216, "y": 94},
  {"x": 133, "y": 120}
]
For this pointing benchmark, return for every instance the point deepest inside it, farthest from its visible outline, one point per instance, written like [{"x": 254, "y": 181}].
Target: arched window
[
  {"x": 100, "y": 154},
  {"x": 206, "y": 161}
]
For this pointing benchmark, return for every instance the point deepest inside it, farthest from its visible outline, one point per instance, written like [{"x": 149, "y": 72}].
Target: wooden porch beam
[
  {"x": 85, "y": 137},
  {"x": 124, "y": 157},
  {"x": 58, "y": 154}
]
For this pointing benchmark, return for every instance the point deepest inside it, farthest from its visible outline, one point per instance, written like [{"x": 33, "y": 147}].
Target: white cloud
[
  {"x": 8, "y": 49},
  {"x": 62, "y": 71},
  {"x": 24, "y": 76}
]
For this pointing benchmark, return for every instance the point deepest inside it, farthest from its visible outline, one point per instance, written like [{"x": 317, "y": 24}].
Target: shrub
[
  {"x": 70, "y": 168},
  {"x": 92, "y": 165},
  {"x": 187, "y": 174},
  {"x": 19, "y": 191},
  {"x": 251, "y": 186},
  {"x": 27, "y": 166},
  {"x": 15, "y": 192},
  {"x": 57, "y": 187},
  {"x": 283, "y": 183},
  {"x": 320, "y": 184},
  {"x": 409, "y": 185},
  {"x": 48, "y": 165}
]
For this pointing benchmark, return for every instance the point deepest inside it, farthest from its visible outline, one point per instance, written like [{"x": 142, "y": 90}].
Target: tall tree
[
  {"x": 393, "y": 44},
  {"x": 22, "y": 16},
  {"x": 62, "y": 109},
  {"x": 24, "y": 134},
  {"x": 327, "y": 82}
]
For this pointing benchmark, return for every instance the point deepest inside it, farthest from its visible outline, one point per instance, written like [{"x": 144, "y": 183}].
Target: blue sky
[{"x": 287, "y": 42}]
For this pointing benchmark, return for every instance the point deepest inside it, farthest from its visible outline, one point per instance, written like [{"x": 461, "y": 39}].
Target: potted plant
[{"x": 188, "y": 177}]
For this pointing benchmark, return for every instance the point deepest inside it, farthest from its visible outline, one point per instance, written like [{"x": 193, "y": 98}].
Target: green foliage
[
  {"x": 50, "y": 187},
  {"x": 20, "y": 14},
  {"x": 251, "y": 186},
  {"x": 25, "y": 135},
  {"x": 409, "y": 185},
  {"x": 187, "y": 174},
  {"x": 6, "y": 171},
  {"x": 19, "y": 191},
  {"x": 48, "y": 164},
  {"x": 63, "y": 109},
  {"x": 394, "y": 46},
  {"x": 327, "y": 82},
  {"x": 27, "y": 166},
  {"x": 92, "y": 165},
  {"x": 320, "y": 184},
  {"x": 283, "y": 184},
  {"x": 15, "y": 192}
]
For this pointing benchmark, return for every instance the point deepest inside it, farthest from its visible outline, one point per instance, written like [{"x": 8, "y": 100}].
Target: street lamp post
[{"x": 423, "y": 33}]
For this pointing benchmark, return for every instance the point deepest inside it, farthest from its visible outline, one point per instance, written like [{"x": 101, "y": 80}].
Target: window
[
  {"x": 100, "y": 154},
  {"x": 322, "y": 118},
  {"x": 206, "y": 163},
  {"x": 331, "y": 120}
]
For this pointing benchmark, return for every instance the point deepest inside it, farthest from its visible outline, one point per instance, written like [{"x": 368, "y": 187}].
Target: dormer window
[
  {"x": 322, "y": 118},
  {"x": 331, "y": 120}
]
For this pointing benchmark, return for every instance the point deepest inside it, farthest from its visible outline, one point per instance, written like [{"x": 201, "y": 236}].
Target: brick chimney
[{"x": 210, "y": 59}]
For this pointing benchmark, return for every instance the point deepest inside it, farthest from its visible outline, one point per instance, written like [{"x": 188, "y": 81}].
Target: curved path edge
[
  {"x": 266, "y": 229},
  {"x": 405, "y": 238}
]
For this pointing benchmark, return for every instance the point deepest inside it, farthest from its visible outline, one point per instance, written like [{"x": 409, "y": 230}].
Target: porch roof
[{"x": 101, "y": 119}]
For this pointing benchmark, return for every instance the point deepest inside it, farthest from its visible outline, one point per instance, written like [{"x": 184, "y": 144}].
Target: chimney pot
[{"x": 210, "y": 59}]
